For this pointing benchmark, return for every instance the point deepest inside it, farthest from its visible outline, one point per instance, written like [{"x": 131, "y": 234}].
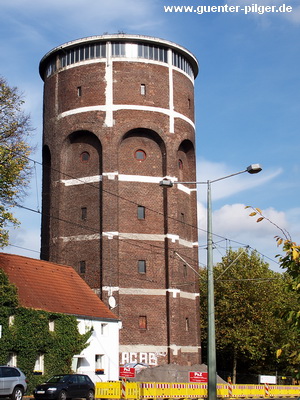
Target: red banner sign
[
  {"x": 127, "y": 372},
  {"x": 198, "y": 377}
]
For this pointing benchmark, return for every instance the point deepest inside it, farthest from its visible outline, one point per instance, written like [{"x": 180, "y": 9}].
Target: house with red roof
[{"x": 59, "y": 289}]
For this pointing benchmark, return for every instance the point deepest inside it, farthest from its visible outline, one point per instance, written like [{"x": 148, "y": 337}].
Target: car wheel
[
  {"x": 90, "y": 395},
  {"x": 17, "y": 393},
  {"x": 62, "y": 395}
]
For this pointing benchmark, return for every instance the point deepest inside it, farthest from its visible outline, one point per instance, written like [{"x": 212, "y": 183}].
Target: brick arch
[
  {"x": 148, "y": 141},
  {"x": 81, "y": 201},
  {"x": 186, "y": 161},
  {"x": 77, "y": 143}
]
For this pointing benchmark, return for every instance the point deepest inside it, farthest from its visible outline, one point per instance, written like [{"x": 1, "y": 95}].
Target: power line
[
  {"x": 125, "y": 199},
  {"x": 23, "y": 248},
  {"x": 260, "y": 280},
  {"x": 127, "y": 240}
]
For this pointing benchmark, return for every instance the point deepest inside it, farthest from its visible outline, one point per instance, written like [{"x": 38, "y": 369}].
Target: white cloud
[
  {"x": 233, "y": 227},
  {"x": 293, "y": 216},
  {"x": 222, "y": 189},
  {"x": 24, "y": 242},
  {"x": 86, "y": 13},
  {"x": 231, "y": 224}
]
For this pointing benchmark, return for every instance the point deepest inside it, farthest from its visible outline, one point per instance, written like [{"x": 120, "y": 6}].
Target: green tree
[
  {"x": 14, "y": 151},
  {"x": 290, "y": 262},
  {"x": 249, "y": 302},
  {"x": 8, "y": 297}
]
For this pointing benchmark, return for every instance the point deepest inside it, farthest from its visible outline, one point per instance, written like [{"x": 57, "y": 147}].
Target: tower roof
[
  {"x": 52, "y": 287},
  {"x": 120, "y": 37}
]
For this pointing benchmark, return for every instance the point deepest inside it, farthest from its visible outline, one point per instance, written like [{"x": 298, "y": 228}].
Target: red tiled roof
[{"x": 52, "y": 287}]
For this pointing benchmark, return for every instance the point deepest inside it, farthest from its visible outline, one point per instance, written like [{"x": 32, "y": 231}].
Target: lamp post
[{"x": 211, "y": 336}]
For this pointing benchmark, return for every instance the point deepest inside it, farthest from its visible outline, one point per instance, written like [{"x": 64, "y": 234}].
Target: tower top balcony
[{"x": 118, "y": 46}]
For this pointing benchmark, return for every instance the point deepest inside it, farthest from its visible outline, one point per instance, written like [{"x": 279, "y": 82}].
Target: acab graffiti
[{"x": 139, "y": 357}]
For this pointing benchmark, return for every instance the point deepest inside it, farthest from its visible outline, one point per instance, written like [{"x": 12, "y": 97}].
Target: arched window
[
  {"x": 140, "y": 155},
  {"x": 84, "y": 156}
]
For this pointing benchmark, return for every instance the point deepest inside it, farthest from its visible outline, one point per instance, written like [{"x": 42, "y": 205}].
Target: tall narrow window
[
  {"x": 142, "y": 322},
  {"x": 118, "y": 49},
  {"x": 11, "y": 320},
  {"x": 51, "y": 325},
  {"x": 80, "y": 363},
  {"x": 39, "y": 364},
  {"x": 185, "y": 270},
  {"x": 82, "y": 267},
  {"x": 79, "y": 91},
  {"x": 104, "y": 329},
  {"x": 187, "y": 324},
  {"x": 141, "y": 212},
  {"x": 83, "y": 213},
  {"x": 12, "y": 359},
  {"x": 99, "y": 361},
  {"x": 142, "y": 266},
  {"x": 143, "y": 89}
]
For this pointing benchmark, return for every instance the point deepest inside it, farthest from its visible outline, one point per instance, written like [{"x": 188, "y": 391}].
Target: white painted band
[
  {"x": 124, "y": 178},
  {"x": 142, "y": 348},
  {"x": 158, "y": 292},
  {"x": 81, "y": 181},
  {"x": 129, "y": 236},
  {"x": 117, "y": 107},
  {"x": 149, "y": 292}
]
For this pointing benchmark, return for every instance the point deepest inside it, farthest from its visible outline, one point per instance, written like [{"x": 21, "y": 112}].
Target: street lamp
[{"x": 211, "y": 336}]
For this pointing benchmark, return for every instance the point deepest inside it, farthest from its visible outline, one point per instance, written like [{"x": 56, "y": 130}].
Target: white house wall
[{"x": 103, "y": 344}]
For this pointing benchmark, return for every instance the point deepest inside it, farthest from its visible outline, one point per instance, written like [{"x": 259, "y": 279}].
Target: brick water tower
[{"x": 118, "y": 117}]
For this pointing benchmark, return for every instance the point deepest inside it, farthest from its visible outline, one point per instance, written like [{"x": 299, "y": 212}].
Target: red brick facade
[{"x": 114, "y": 126}]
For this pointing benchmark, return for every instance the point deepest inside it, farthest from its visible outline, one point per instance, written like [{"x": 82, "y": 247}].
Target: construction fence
[{"x": 156, "y": 390}]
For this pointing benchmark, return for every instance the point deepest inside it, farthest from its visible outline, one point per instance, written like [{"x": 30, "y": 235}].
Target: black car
[{"x": 64, "y": 387}]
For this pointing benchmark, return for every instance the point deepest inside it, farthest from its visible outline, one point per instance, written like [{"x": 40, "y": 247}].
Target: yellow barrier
[
  {"x": 132, "y": 390},
  {"x": 241, "y": 391},
  {"x": 147, "y": 390},
  {"x": 284, "y": 391},
  {"x": 160, "y": 390},
  {"x": 222, "y": 391},
  {"x": 108, "y": 390}
]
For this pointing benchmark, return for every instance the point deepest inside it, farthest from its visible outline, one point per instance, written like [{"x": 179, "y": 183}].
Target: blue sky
[{"x": 247, "y": 102}]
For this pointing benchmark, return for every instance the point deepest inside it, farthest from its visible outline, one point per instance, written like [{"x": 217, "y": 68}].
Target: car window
[
  {"x": 81, "y": 379},
  {"x": 58, "y": 378},
  {"x": 87, "y": 379},
  {"x": 9, "y": 372},
  {"x": 73, "y": 378}
]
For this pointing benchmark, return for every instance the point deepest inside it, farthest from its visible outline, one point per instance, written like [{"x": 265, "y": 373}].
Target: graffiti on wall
[{"x": 143, "y": 358}]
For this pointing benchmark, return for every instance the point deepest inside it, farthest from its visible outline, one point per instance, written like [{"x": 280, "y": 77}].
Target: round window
[
  {"x": 85, "y": 156},
  {"x": 140, "y": 155}
]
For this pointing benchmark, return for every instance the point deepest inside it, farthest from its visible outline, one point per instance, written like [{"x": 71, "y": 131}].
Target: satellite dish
[{"x": 112, "y": 302}]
